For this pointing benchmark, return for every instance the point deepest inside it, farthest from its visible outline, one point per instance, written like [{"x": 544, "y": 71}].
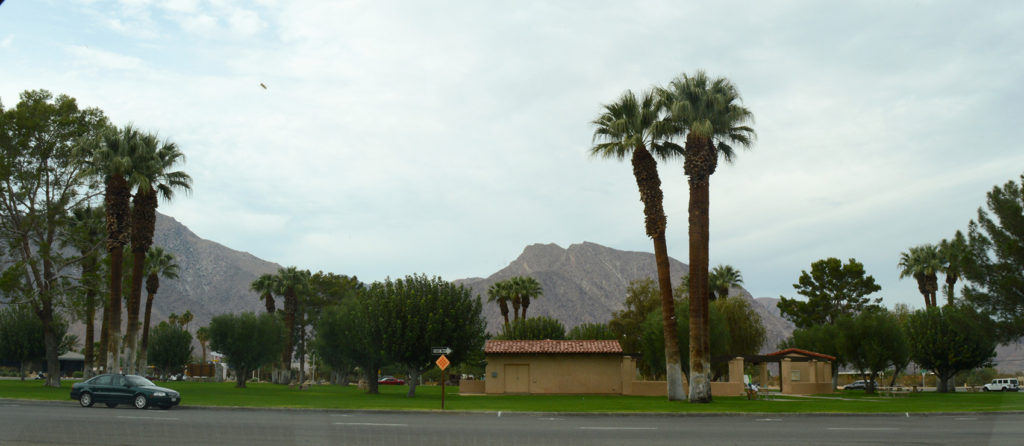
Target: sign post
[{"x": 443, "y": 363}]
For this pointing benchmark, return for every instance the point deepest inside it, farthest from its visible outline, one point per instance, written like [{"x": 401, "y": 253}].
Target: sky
[{"x": 443, "y": 137}]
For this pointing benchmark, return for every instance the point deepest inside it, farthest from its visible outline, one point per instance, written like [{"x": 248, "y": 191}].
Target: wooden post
[{"x": 444, "y": 377}]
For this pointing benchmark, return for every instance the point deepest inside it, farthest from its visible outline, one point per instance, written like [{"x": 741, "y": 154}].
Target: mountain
[
  {"x": 213, "y": 278},
  {"x": 587, "y": 282}
]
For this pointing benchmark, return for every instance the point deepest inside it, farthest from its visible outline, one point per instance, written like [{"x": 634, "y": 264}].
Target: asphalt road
[{"x": 48, "y": 423}]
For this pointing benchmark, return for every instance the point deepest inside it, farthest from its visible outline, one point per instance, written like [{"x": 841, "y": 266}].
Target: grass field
[{"x": 429, "y": 398}]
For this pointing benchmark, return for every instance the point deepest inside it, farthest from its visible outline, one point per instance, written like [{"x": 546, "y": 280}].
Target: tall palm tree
[
  {"x": 203, "y": 336},
  {"x": 923, "y": 263},
  {"x": 186, "y": 318},
  {"x": 954, "y": 255},
  {"x": 632, "y": 127},
  {"x": 710, "y": 114},
  {"x": 499, "y": 292},
  {"x": 156, "y": 179},
  {"x": 265, "y": 285},
  {"x": 526, "y": 288},
  {"x": 158, "y": 264},
  {"x": 86, "y": 235},
  {"x": 721, "y": 278},
  {"x": 115, "y": 161},
  {"x": 291, "y": 282}
]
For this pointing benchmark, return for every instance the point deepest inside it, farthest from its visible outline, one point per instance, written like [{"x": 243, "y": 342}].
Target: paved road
[{"x": 40, "y": 423}]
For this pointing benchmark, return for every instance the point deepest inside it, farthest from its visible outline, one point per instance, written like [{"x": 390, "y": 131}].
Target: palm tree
[
  {"x": 203, "y": 336},
  {"x": 526, "y": 288},
  {"x": 498, "y": 292},
  {"x": 185, "y": 319},
  {"x": 954, "y": 256},
  {"x": 710, "y": 115},
  {"x": 632, "y": 127},
  {"x": 115, "y": 162},
  {"x": 922, "y": 262},
  {"x": 158, "y": 264},
  {"x": 173, "y": 319},
  {"x": 265, "y": 286},
  {"x": 291, "y": 282},
  {"x": 722, "y": 278},
  {"x": 156, "y": 178},
  {"x": 86, "y": 235}
]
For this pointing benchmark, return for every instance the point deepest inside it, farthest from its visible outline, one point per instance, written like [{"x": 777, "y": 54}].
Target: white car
[{"x": 1002, "y": 385}]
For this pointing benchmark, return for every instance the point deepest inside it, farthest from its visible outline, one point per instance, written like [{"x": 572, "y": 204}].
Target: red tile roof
[
  {"x": 801, "y": 351},
  {"x": 552, "y": 347}
]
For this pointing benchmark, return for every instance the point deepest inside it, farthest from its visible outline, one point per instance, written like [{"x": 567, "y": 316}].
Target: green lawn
[{"x": 429, "y": 398}]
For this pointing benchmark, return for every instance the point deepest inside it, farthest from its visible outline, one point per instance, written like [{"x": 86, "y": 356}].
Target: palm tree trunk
[
  {"x": 132, "y": 342},
  {"x": 645, "y": 169},
  {"x": 700, "y": 351},
  {"x": 114, "y": 336},
  {"x": 90, "y": 328},
  {"x": 950, "y": 288},
  {"x": 144, "y": 345},
  {"x": 101, "y": 357}
]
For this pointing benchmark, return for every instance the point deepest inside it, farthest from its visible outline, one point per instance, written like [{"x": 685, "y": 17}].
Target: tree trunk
[
  {"x": 51, "y": 342},
  {"x": 413, "y": 379},
  {"x": 645, "y": 170},
  {"x": 240, "y": 377},
  {"x": 134, "y": 298},
  {"x": 144, "y": 345},
  {"x": 114, "y": 332},
  {"x": 90, "y": 328},
  {"x": 371, "y": 380},
  {"x": 700, "y": 354}
]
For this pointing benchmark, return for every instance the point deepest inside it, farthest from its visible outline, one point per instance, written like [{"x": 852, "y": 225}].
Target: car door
[
  {"x": 119, "y": 391},
  {"x": 100, "y": 388}
]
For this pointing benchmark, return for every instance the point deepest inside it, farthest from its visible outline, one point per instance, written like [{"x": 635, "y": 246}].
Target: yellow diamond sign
[{"x": 442, "y": 362}]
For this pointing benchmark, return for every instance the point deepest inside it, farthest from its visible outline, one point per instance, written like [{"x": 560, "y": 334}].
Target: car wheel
[
  {"x": 141, "y": 402},
  {"x": 85, "y": 399},
  {"x": 111, "y": 405}
]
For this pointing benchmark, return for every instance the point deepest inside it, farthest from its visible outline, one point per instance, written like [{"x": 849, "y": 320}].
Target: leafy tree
[
  {"x": 633, "y": 127},
  {"x": 170, "y": 348},
  {"x": 995, "y": 278},
  {"x": 923, "y": 263},
  {"x": 872, "y": 341},
  {"x": 832, "y": 290},
  {"x": 591, "y": 330},
  {"x": 721, "y": 278},
  {"x": 709, "y": 112},
  {"x": 746, "y": 331},
  {"x": 247, "y": 341},
  {"x": 642, "y": 298},
  {"x": 43, "y": 141},
  {"x": 21, "y": 335},
  {"x": 154, "y": 177},
  {"x": 418, "y": 313},
  {"x": 979, "y": 376},
  {"x": 536, "y": 328},
  {"x": 350, "y": 334},
  {"x": 651, "y": 346},
  {"x": 158, "y": 264},
  {"x": 950, "y": 339}
]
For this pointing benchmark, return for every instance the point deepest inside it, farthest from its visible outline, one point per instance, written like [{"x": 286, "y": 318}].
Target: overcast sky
[{"x": 444, "y": 137}]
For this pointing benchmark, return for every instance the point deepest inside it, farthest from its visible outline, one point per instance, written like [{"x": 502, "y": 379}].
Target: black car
[{"x": 114, "y": 389}]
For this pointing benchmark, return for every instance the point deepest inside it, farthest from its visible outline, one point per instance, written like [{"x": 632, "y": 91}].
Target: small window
[
  {"x": 102, "y": 380},
  {"x": 795, "y": 375}
]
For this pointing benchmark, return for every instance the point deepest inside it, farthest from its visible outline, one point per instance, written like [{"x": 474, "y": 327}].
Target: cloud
[{"x": 105, "y": 60}]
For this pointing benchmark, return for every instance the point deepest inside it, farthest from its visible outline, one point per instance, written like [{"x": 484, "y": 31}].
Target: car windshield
[{"x": 138, "y": 381}]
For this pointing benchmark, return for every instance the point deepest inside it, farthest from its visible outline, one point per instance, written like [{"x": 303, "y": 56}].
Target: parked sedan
[
  {"x": 390, "y": 381},
  {"x": 114, "y": 389},
  {"x": 856, "y": 385}
]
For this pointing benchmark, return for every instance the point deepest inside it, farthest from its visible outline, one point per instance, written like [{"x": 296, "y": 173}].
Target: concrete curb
[{"x": 553, "y": 414}]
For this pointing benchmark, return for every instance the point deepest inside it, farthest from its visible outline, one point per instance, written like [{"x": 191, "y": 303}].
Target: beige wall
[
  {"x": 471, "y": 386},
  {"x": 565, "y": 374},
  {"x": 805, "y": 378}
]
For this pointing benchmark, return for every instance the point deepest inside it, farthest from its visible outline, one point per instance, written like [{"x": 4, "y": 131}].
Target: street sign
[
  {"x": 442, "y": 350},
  {"x": 442, "y": 362}
]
